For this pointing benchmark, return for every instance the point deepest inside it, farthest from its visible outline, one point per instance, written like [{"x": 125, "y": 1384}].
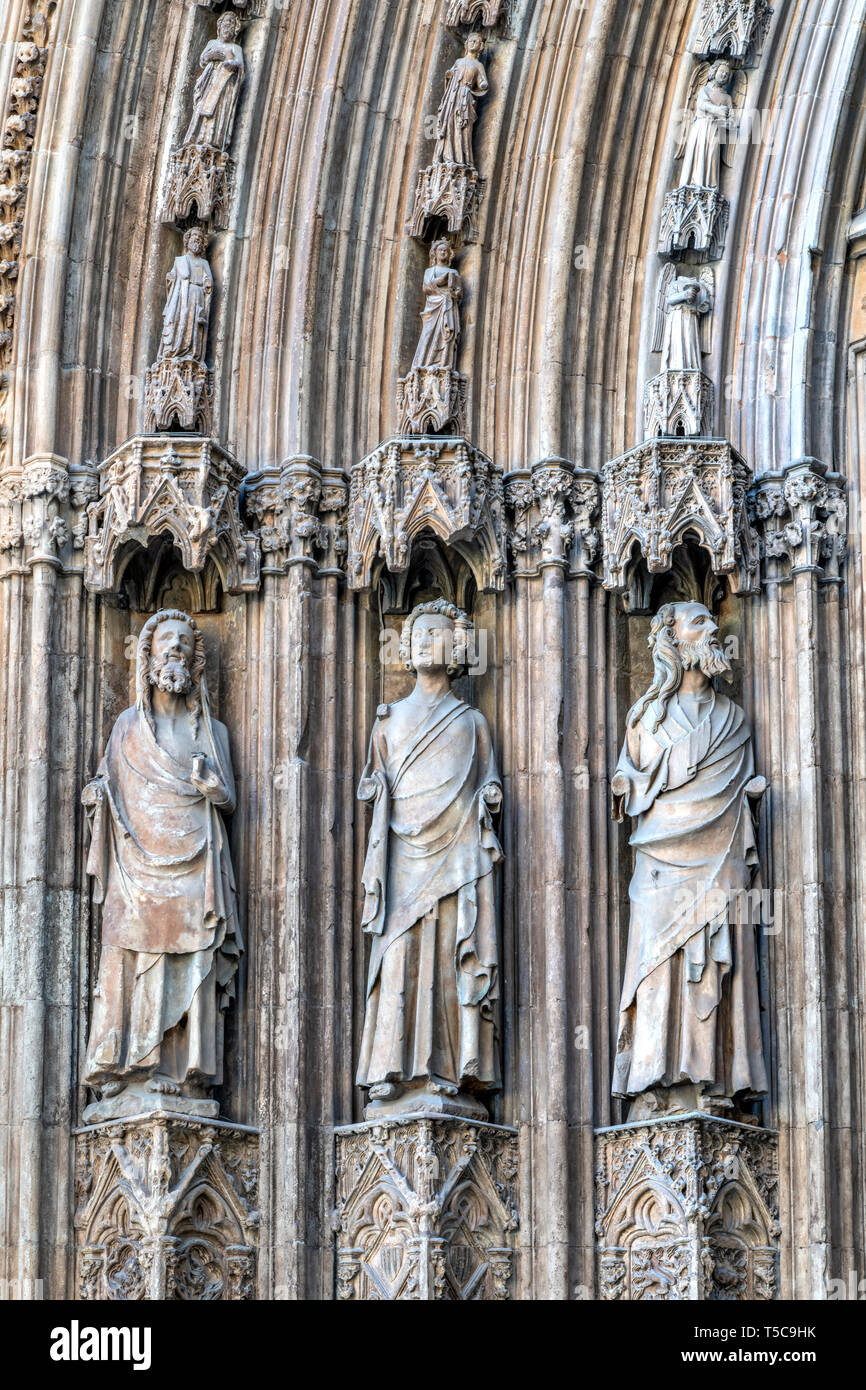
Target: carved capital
[
  {"x": 426, "y": 1209},
  {"x": 299, "y": 513},
  {"x": 552, "y": 509},
  {"x": 802, "y": 514},
  {"x": 687, "y": 1208},
  {"x": 411, "y": 485}
]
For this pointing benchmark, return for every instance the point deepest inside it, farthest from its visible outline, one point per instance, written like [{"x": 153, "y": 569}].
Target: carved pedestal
[
  {"x": 666, "y": 489},
  {"x": 183, "y": 485},
  {"x": 427, "y": 1208},
  {"x": 178, "y": 394},
  {"x": 430, "y": 399},
  {"x": 200, "y": 180},
  {"x": 166, "y": 1209},
  {"x": 408, "y": 486},
  {"x": 452, "y": 191},
  {"x": 687, "y": 1209},
  {"x": 679, "y": 403},
  {"x": 694, "y": 223},
  {"x": 733, "y": 29}
]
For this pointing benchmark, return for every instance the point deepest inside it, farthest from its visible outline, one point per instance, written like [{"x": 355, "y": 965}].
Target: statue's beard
[
  {"x": 708, "y": 655},
  {"x": 170, "y": 673}
]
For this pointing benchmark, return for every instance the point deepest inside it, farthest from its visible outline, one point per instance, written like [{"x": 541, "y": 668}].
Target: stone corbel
[
  {"x": 200, "y": 183},
  {"x": 679, "y": 403},
  {"x": 411, "y": 485},
  {"x": 488, "y": 13},
  {"x": 694, "y": 224},
  {"x": 667, "y": 490},
  {"x": 552, "y": 508},
  {"x": 802, "y": 513},
  {"x": 247, "y": 9},
  {"x": 183, "y": 485},
  {"x": 452, "y": 191}
]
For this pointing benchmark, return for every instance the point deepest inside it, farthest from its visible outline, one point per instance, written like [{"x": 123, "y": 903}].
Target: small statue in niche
[
  {"x": 465, "y": 82},
  {"x": 714, "y": 116},
  {"x": 160, "y": 859},
  {"x": 218, "y": 88},
  {"x": 440, "y": 317},
  {"x": 189, "y": 288},
  {"x": 430, "y": 1028},
  {"x": 684, "y": 319},
  {"x": 690, "y": 1026}
]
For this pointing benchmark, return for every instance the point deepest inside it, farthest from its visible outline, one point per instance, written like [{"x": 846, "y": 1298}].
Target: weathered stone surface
[
  {"x": 426, "y": 1209},
  {"x": 687, "y": 1208}
]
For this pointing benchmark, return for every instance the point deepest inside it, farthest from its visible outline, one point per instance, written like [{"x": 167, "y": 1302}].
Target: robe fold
[
  {"x": 457, "y": 112},
  {"x": 160, "y": 858},
  {"x": 216, "y": 95},
  {"x": 690, "y": 1010},
  {"x": 429, "y": 902},
  {"x": 440, "y": 319}
]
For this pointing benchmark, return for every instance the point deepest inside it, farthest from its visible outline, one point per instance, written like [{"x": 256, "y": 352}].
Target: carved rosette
[
  {"x": 430, "y": 399},
  {"x": 426, "y": 1209},
  {"x": 199, "y": 183},
  {"x": 167, "y": 1208},
  {"x": 178, "y": 394},
  {"x": 452, "y": 191},
  {"x": 733, "y": 29},
  {"x": 484, "y": 12},
  {"x": 679, "y": 403},
  {"x": 298, "y": 512},
  {"x": 552, "y": 511},
  {"x": 667, "y": 489},
  {"x": 182, "y": 485},
  {"x": 408, "y": 486},
  {"x": 694, "y": 224},
  {"x": 802, "y": 514},
  {"x": 687, "y": 1209}
]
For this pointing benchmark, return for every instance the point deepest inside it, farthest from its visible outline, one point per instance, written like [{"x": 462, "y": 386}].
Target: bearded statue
[
  {"x": 690, "y": 1026},
  {"x": 160, "y": 859}
]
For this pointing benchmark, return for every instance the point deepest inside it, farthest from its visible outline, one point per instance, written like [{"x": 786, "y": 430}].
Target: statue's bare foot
[
  {"x": 162, "y": 1086},
  {"x": 385, "y": 1090},
  {"x": 112, "y": 1088},
  {"x": 440, "y": 1087}
]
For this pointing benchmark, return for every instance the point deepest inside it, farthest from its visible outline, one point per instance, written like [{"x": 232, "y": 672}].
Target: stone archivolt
[
  {"x": 426, "y": 1209},
  {"x": 687, "y": 1208},
  {"x": 167, "y": 1208},
  {"x": 408, "y": 486},
  {"x": 184, "y": 485}
]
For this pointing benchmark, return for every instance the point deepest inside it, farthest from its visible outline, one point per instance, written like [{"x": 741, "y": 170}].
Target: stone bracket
[
  {"x": 687, "y": 1209},
  {"x": 733, "y": 29},
  {"x": 426, "y": 1209},
  {"x": 167, "y": 1208},
  {"x": 431, "y": 399},
  {"x": 679, "y": 403},
  {"x": 485, "y": 12},
  {"x": 452, "y": 191},
  {"x": 694, "y": 224}
]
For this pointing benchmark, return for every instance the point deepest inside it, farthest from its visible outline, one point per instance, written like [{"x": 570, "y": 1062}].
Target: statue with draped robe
[
  {"x": 686, "y": 302},
  {"x": 186, "y": 316},
  {"x": 162, "y": 871},
  {"x": 218, "y": 88},
  {"x": 440, "y": 317},
  {"x": 709, "y": 131},
  {"x": 690, "y": 1023},
  {"x": 430, "y": 1031},
  {"x": 465, "y": 82}
]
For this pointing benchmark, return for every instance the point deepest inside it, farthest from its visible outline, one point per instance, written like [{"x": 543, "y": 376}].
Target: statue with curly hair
[
  {"x": 689, "y": 1027},
  {"x": 430, "y": 1037},
  {"x": 160, "y": 860}
]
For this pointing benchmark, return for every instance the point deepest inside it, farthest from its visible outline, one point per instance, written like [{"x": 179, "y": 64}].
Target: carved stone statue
[
  {"x": 160, "y": 858},
  {"x": 708, "y": 133},
  {"x": 189, "y": 286},
  {"x": 429, "y": 1038},
  {"x": 690, "y": 1028},
  {"x": 440, "y": 317},
  {"x": 215, "y": 98},
  {"x": 683, "y": 344},
  {"x": 458, "y": 110}
]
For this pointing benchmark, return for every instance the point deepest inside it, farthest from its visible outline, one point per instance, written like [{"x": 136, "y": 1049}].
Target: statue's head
[
  {"x": 435, "y": 638},
  {"x": 228, "y": 26},
  {"x": 475, "y": 44},
  {"x": 195, "y": 241},
  {"x": 171, "y": 657},
  {"x": 441, "y": 252},
  {"x": 721, "y": 73},
  {"x": 682, "y": 636}
]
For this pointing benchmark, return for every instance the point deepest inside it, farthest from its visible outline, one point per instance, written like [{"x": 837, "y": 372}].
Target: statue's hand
[
  {"x": 491, "y": 795},
  {"x": 756, "y": 788},
  {"x": 93, "y": 794},
  {"x": 619, "y": 785},
  {"x": 205, "y": 780}
]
